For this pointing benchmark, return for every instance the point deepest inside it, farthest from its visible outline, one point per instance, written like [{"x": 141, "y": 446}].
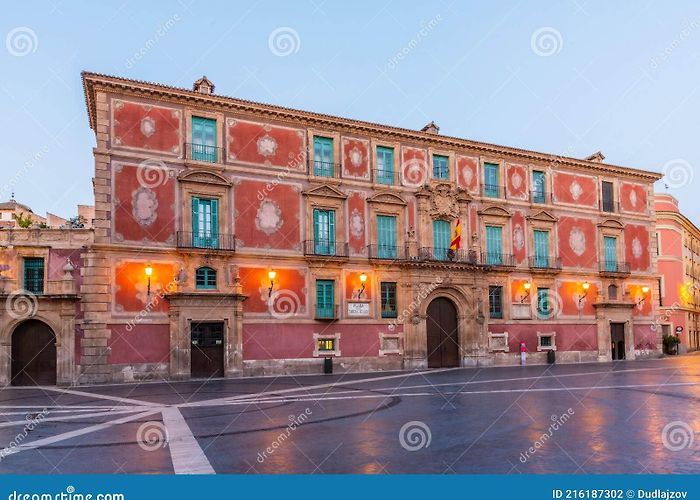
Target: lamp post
[
  {"x": 271, "y": 275},
  {"x": 526, "y": 286},
  {"x": 645, "y": 291},
  {"x": 149, "y": 271},
  {"x": 363, "y": 279},
  {"x": 586, "y": 285}
]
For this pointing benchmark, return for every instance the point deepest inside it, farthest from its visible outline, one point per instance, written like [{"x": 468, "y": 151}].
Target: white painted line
[
  {"x": 100, "y": 396},
  {"x": 185, "y": 452},
  {"x": 79, "y": 432},
  {"x": 246, "y": 397},
  {"x": 67, "y": 417},
  {"x": 411, "y": 394}
]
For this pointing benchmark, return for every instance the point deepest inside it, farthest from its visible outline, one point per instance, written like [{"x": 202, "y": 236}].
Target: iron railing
[
  {"x": 386, "y": 252},
  {"x": 497, "y": 259},
  {"x": 545, "y": 262},
  {"x": 206, "y": 240},
  {"x": 615, "y": 267},
  {"x": 326, "y": 248},
  {"x": 202, "y": 152},
  {"x": 320, "y": 168}
]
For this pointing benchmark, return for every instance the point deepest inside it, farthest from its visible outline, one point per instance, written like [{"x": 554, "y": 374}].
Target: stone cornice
[
  {"x": 92, "y": 82},
  {"x": 680, "y": 218}
]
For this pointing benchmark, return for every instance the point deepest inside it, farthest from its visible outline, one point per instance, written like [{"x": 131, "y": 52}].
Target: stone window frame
[
  {"x": 451, "y": 165},
  {"x": 501, "y": 162},
  {"x": 497, "y": 216},
  {"x": 383, "y": 337},
  {"x": 615, "y": 193},
  {"x": 221, "y": 135},
  {"x": 325, "y": 197},
  {"x": 396, "y": 146},
  {"x": 540, "y": 347},
  {"x": 327, "y": 336},
  {"x": 390, "y": 204},
  {"x": 208, "y": 185},
  {"x": 337, "y": 155},
  {"x": 501, "y": 335},
  {"x": 615, "y": 229},
  {"x": 543, "y": 221}
]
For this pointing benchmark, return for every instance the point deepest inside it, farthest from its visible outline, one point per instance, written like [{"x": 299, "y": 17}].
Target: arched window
[
  {"x": 205, "y": 278},
  {"x": 612, "y": 292}
]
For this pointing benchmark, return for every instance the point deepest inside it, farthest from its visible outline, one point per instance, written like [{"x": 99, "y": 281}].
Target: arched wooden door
[
  {"x": 33, "y": 354},
  {"x": 443, "y": 338}
]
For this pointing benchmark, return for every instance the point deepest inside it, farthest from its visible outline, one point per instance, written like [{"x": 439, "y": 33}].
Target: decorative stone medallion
[
  {"x": 518, "y": 237},
  {"x": 636, "y": 248},
  {"x": 144, "y": 206},
  {"x": 356, "y": 157},
  {"x": 268, "y": 218},
  {"x": 576, "y": 190},
  {"x": 468, "y": 175},
  {"x": 148, "y": 126},
  {"x": 267, "y": 146},
  {"x": 517, "y": 180},
  {"x": 577, "y": 241},
  {"x": 633, "y": 198},
  {"x": 357, "y": 224}
]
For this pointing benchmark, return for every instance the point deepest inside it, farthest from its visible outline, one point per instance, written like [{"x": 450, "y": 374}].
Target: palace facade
[{"x": 237, "y": 238}]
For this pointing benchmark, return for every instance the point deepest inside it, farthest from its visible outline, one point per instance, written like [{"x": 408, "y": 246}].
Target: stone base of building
[{"x": 311, "y": 366}]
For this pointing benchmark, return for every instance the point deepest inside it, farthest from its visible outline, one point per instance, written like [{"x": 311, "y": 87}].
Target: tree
[
  {"x": 77, "y": 222},
  {"x": 22, "y": 221}
]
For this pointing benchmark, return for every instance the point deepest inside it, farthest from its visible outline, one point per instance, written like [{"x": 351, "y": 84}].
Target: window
[
  {"x": 541, "y": 240},
  {"x": 494, "y": 245},
  {"x": 323, "y": 157},
  {"x": 496, "y": 302},
  {"x": 326, "y": 344},
  {"x": 544, "y": 306},
  {"x": 386, "y": 236},
  {"x": 610, "y": 250},
  {"x": 607, "y": 196},
  {"x": 34, "y": 275},
  {"x": 385, "y": 165},
  {"x": 661, "y": 292},
  {"x": 546, "y": 341},
  {"x": 491, "y": 181},
  {"x": 325, "y": 301},
  {"x": 204, "y": 139},
  {"x": 441, "y": 239},
  {"x": 205, "y": 223},
  {"x": 388, "y": 293},
  {"x": 612, "y": 292},
  {"x": 440, "y": 167},
  {"x": 538, "y": 186},
  {"x": 205, "y": 278},
  {"x": 324, "y": 232}
]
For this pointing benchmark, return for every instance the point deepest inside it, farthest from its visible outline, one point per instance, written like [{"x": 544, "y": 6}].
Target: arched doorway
[
  {"x": 443, "y": 338},
  {"x": 33, "y": 354}
]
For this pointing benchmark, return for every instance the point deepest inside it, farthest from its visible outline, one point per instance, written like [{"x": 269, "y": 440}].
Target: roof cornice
[
  {"x": 94, "y": 81},
  {"x": 677, "y": 216}
]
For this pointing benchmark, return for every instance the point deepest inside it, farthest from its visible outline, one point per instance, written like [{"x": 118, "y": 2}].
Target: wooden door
[
  {"x": 443, "y": 338},
  {"x": 207, "y": 353},
  {"x": 33, "y": 354}
]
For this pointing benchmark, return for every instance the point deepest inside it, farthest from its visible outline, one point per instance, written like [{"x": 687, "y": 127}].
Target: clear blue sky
[{"x": 565, "y": 77}]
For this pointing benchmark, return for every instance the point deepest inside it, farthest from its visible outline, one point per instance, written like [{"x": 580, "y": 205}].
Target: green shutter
[
  {"x": 491, "y": 188},
  {"x": 385, "y": 165},
  {"x": 324, "y": 299},
  {"x": 205, "y": 223},
  {"x": 494, "y": 245},
  {"x": 34, "y": 275},
  {"x": 538, "y": 187},
  {"x": 543, "y": 309},
  {"x": 541, "y": 248},
  {"x": 386, "y": 237},
  {"x": 441, "y": 239},
  {"x": 324, "y": 232},
  {"x": 610, "y": 248},
  {"x": 203, "y": 139},
  {"x": 440, "y": 167},
  {"x": 323, "y": 157},
  {"x": 388, "y": 292}
]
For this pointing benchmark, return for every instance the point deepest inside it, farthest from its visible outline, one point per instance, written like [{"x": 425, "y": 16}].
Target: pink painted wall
[
  {"x": 577, "y": 242},
  {"x": 144, "y": 344},
  {"x": 573, "y": 337},
  {"x": 145, "y": 126},
  {"x": 644, "y": 337}
]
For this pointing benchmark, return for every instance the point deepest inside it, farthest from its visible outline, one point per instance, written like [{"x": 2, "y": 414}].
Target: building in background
[
  {"x": 236, "y": 238},
  {"x": 678, "y": 262},
  {"x": 11, "y": 210}
]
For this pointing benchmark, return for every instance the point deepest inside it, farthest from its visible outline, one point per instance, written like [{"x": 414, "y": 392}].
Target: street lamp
[
  {"x": 526, "y": 286},
  {"x": 586, "y": 285},
  {"x": 363, "y": 278},
  {"x": 645, "y": 291},
  {"x": 271, "y": 275},
  {"x": 148, "y": 270}
]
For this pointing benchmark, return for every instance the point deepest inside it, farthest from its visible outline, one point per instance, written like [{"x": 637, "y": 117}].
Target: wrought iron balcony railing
[
  {"x": 320, "y": 168},
  {"x": 497, "y": 259},
  {"x": 388, "y": 177},
  {"x": 326, "y": 312},
  {"x": 203, "y": 152},
  {"x": 545, "y": 263},
  {"x": 542, "y": 197},
  {"x": 446, "y": 255},
  {"x": 615, "y": 267},
  {"x": 386, "y": 252},
  {"x": 206, "y": 240},
  {"x": 326, "y": 248},
  {"x": 493, "y": 191}
]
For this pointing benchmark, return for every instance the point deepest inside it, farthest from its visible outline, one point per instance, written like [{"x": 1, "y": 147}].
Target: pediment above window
[
  {"x": 611, "y": 224},
  {"x": 495, "y": 211},
  {"x": 204, "y": 177},
  {"x": 390, "y": 198},
  {"x": 543, "y": 216},
  {"x": 325, "y": 191}
]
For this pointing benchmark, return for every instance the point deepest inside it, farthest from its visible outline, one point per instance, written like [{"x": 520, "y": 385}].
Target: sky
[{"x": 565, "y": 77}]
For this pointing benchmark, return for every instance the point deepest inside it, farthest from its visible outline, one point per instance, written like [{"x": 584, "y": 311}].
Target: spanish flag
[{"x": 457, "y": 238}]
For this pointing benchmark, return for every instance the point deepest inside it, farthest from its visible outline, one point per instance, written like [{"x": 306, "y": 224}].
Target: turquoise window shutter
[
  {"x": 441, "y": 239},
  {"x": 494, "y": 245},
  {"x": 610, "y": 249},
  {"x": 323, "y": 156},
  {"x": 324, "y": 232},
  {"x": 214, "y": 224},
  {"x": 543, "y": 306},
  {"x": 440, "y": 167},
  {"x": 385, "y": 165},
  {"x": 541, "y": 248},
  {"x": 491, "y": 188},
  {"x": 204, "y": 139},
  {"x": 324, "y": 299},
  {"x": 538, "y": 187},
  {"x": 386, "y": 236}
]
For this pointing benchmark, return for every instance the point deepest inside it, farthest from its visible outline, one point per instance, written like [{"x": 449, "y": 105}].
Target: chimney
[
  {"x": 431, "y": 128},
  {"x": 596, "y": 157},
  {"x": 203, "y": 86}
]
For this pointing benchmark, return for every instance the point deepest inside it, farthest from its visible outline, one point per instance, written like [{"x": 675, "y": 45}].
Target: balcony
[
  {"x": 541, "y": 197},
  {"x": 446, "y": 255},
  {"x": 544, "y": 263},
  {"x": 328, "y": 312},
  {"x": 497, "y": 259},
  {"x": 387, "y": 177},
  {"x": 492, "y": 191},
  {"x": 615, "y": 268},
  {"x": 206, "y": 241},
  {"x": 204, "y": 153},
  {"x": 326, "y": 248},
  {"x": 610, "y": 206},
  {"x": 386, "y": 252},
  {"x": 320, "y": 168}
]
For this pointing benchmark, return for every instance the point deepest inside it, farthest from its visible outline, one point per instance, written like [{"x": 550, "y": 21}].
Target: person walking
[{"x": 523, "y": 353}]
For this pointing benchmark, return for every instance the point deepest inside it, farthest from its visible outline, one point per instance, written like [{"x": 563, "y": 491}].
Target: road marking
[
  {"x": 38, "y": 420},
  {"x": 185, "y": 452},
  {"x": 228, "y": 399},
  {"x": 411, "y": 394},
  {"x": 72, "y": 434},
  {"x": 99, "y": 396}
]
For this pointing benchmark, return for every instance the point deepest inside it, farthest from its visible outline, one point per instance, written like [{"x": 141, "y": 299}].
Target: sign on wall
[{"x": 358, "y": 308}]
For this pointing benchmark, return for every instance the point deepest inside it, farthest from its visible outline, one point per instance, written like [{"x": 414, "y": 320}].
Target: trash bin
[
  {"x": 551, "y": 356},
  {"x": 327, "y": 365}
]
